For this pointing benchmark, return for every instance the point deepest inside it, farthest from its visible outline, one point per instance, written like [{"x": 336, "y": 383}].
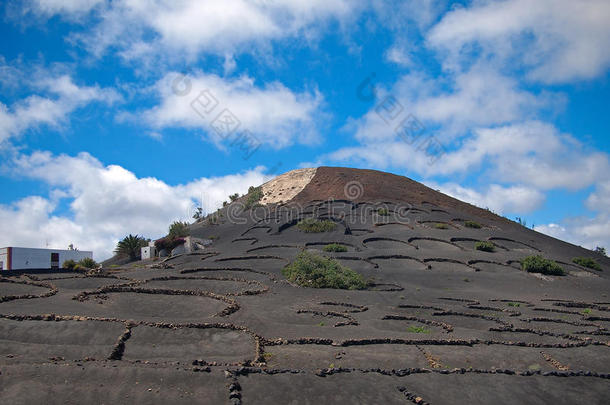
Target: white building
[
  {"x": 148, "y": 252},
  {"x": 18, "y": 258}
]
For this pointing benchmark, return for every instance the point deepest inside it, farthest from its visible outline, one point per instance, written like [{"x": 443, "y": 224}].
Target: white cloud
[
  {"x": 479, "y": 97},
  {"x": 555, "y": 40},
  {"x": 500, "y": 199},
  {"x": 405, "y": 15},
  {"x": 69, "y": 8},
  {"x": 106, "y": 202},
  {"x": 532, "y": 153},
  {"x": 399, "y": 56},
  {"x": 52, "y": 110},
  {"x": 273, "y": 113},
  {"x": 589, "y": 232},
  {"x": 582, "y": 231},
  {"x": 141, "y": 28}
]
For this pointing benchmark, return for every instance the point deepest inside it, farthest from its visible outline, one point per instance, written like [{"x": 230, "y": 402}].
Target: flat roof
[{"x": 55, "y": 250}]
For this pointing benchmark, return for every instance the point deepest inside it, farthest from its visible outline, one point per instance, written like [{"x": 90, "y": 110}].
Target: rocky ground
[{"x": 441, "y": 322}]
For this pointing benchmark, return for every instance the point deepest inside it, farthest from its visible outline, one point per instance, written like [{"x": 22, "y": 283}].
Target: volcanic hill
[{"x": 449, "y": 304}]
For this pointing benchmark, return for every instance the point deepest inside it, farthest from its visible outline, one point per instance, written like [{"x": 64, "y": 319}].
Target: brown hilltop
[{"x": 331, "y": 183}]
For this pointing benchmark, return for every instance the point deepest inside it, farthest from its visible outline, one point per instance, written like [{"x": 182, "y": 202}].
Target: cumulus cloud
[
  {"x": 69, "y": 8},
  {"x": 533, "y": 153},
  {"x": 500, "y": 199},
  {"x": 273, "y": 114},
  {"x": 589, "y": 231},
  {"x": 139, "y": 28},
  {"x": 62, "y": 97},
  {"x": 105, "y": 202},
  {"x": 555, "y": 40}
]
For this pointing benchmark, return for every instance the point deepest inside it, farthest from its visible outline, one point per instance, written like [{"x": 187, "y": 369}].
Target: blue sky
[{"x": 500, "y": 103}]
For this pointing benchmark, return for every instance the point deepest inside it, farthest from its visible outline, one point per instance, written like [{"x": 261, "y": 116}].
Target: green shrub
[
  {"x": 587, "y": 262},
  {"x": 538, "y": 264},
  {"x": 485, "y": 246},
  {"x": 514, "y": 304},
  {"x": 311, "y": 270},
  {"x": 334, "y": 247},
  {"x": 255, "y": 194},
  {"x": 440, "y": 225},
  {"x": 178, "y": 230},
  {"x": 587, "y": 311},
  {"x": 472, "y": 224},
  {"x": 88, "y": 263},
  {"x": 69, "y": 265},
  {"x": 417, "y": 329},
  {"x": 383, "y": 211},
  {"x": 311, "y": 225}
]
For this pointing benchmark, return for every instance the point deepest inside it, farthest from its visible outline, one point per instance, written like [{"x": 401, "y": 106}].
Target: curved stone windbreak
[
  {"x": 386, "y": 243},
  {"x": 511, "y": 244},
  {"x": 258, "y": 287},
  {"x": 52, "y": 290},
  {"x": 232, "y": 307},
  {"x": 432, "y": 243},
  {"x": 267, "y": 247},
  {"x": 251, "y": 240}
]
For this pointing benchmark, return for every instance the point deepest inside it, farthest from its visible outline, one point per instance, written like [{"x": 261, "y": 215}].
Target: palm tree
[{"x": 130, "y": 245}]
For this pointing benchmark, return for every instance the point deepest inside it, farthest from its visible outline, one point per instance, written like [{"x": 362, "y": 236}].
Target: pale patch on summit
[{"x": 286, "y": 186}]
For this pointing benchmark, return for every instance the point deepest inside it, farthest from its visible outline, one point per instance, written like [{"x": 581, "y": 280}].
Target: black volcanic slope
[{"x": 441, "y": 322}]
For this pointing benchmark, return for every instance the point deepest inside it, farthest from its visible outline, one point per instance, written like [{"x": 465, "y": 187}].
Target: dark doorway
[{"x": 54, "y": 261}]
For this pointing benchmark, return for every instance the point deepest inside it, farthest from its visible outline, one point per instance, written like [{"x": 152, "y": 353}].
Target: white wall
[
  {"x": 4, "y": 258},
  {"x": 148, "y": 252},
  {"x": 29, "y": 258}
]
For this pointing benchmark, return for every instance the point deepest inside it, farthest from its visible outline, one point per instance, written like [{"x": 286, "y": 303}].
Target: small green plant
[
  {"x": 311, "y": 225},
  {"x": 69, "y": 265},
  {"x": 587, "y": 262},
  {"x": 178, "y": 230},
  {"x": 311, "y": 270},
  {"x": 88, "y": 263},
  {"x": 485, "y": 246},
  {"x": 534, "y": 367},
  {"x": 255, "y": 194},
  {"x": 417, "y": 329},
  {"x": 466, "y": 280},
  {"x": 587, "y": 311},
  {"x": 267, "y": 356},
  {"x": 234, "y": 197},
  {"x": 85, "y": 264},
  {"x": 472, "y": 224},
  {"x": 538, "y": 264},
  {"x": 321, "y": 323},
  {"x": 440, "y": 225},
  {"x": 383, "y": 211},
  {"x": 198, "y": 215},
  {"x": 334, "y": 247},
  {"x": 514, "y": 304}
]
